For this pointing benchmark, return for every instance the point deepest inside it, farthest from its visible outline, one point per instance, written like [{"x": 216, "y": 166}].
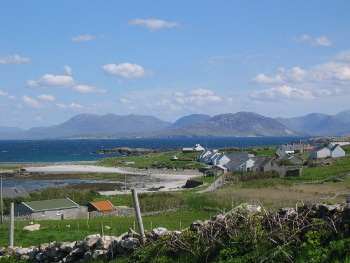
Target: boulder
[
  {"x": 88, "y": 256},
  {"x": 90, "y": 241},
  {"x": 160, "y": 231},
  {"x": 196, "y": 225},
  {"x": 104, "y": 242},
  {"x": 31, "y": 228},
  {"x": 98, "y": 254},
  {"x": 127, "y": 244}
]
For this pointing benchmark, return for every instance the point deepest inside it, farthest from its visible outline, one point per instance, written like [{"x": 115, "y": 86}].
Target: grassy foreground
[{"x": 316, "y": 185}]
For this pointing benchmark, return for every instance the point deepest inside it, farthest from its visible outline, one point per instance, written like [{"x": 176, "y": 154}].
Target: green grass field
[{"x": 272, "y": 193}]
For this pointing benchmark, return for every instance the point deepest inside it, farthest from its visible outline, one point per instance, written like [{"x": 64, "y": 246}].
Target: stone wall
[
  {"x": 71, "y": 213},
  {"x": 113, "y": 247},
  {"x": 119, "y": 212}
]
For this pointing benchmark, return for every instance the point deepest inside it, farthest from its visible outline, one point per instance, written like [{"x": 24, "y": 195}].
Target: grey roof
[
  {"x": 291, "y": 147},
  {"x": 54, "y": 204},
  {"x": 334, "y": 147},
  {"x": 235, "y": 162},
  {"x": 262, "y": 161},
  {"x": 239, "y": 156},
  {"x": 13, "y": 192}
]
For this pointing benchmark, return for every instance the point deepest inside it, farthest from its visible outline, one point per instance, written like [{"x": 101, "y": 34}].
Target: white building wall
[{"x": 337, "y": 152}]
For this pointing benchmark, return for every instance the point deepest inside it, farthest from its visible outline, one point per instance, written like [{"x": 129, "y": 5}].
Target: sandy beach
[{"x": 143, "y": 180}]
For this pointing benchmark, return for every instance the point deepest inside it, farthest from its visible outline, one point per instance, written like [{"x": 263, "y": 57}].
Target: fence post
[
  {"x": 12, "y": 224},
  {"x": 101, "y": 228},
  {"x": 138, "y": 216}
]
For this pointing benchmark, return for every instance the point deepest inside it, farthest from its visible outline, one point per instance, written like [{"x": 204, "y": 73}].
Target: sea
[
  {"x": 76, "y": 150},
  {"x": 80, "y": 150}
]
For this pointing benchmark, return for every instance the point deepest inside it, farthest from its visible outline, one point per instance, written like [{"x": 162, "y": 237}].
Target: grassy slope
[{"x": 271, "y": 193}]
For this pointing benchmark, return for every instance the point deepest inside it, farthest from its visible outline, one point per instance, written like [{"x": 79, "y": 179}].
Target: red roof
[
  {"x": 103, "y": 205},
  {"x": 309, "y": 148}
]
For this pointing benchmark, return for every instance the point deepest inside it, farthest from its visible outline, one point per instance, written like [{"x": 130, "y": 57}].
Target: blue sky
[{"x": 169, "y": 59}]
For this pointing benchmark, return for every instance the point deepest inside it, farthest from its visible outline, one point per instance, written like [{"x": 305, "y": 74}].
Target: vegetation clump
[{"x": 248, "y": 234}]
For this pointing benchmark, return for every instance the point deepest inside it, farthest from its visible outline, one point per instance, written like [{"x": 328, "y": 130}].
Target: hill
[
  {"x": 320, "y": 124},
  {"x": 109, "y": 125},
  {"x": 241, "y": 124}
]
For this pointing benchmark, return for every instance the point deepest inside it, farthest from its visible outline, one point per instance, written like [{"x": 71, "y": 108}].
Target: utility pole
[
  {"x": 1, "y": 205},
  {"x": 125, "y": 184},
  {"x": 12, "y": 224},
  {"x": 138, "y": 216}
]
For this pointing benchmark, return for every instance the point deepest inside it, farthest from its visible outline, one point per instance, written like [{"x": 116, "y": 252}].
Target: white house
[
  {"x": 332, "y": 144},
  {"x": 289, "y": 149},
  {"x": 222, "y": 159},
  {"x": 320, "y": 152},
  {"x": 196, "y": 148},
  {"x": 337, "y": 151},
  {"x": 203, "y": 156},
  {"x": 240, "y": 165}
]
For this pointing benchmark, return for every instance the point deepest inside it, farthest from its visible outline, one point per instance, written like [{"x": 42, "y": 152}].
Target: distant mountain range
[
  {"x": 240, "y": 124},
  {"x": 320, "y": 124}
]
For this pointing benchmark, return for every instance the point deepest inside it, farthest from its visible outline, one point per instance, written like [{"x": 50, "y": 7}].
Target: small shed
[
  {"x": 54, "y": 209},
  {"x": 101, "y": 206},
  {"x": 13, "y": 192}
]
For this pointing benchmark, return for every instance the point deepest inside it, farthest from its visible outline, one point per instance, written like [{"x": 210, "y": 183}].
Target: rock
[
  {"x": 192, "y": 184},
  {"x": 52, "y": 252},
  {"x": 31, "y": 228},
  {"x": 195, "y": 226},
  {"x": 68, "y": 259},
  {"x": 21, "y": 251},
  {"x": 98, "y": 254},
  {"x": 90, "y": 241},
  {"x": 107, "y": 227},
  {"x": 160, "y": 231},
  {"x": 104, "y": 242},
  {"x": 67, "y": 247},
  {"x": 88, "y": 256},
  {"x": 78, "y": 252},
  {"x": 127, "y": 244},
  {"x": 43, "y": 247},
  {"x": 32, "y": 254},
  {"x": 254, "y": 208},
  {"x": 133, "y": 233},
  {"x": 38, "y": 256}
]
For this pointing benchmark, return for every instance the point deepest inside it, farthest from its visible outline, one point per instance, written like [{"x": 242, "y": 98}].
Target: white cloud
[
  {"x": 295, "y": 74},
  {"x": 88, "y": 89},
  {"x": 46, "y": 97},
  {"x": 282, "y": 93},
  {"x": 75, "y": 106},
  {"x": 31, "y": 102},
  {"x": 263, "y": 79},
  {"x": 126, "y": 70},
  {"x": 336, "y": 70},
  {"x": 3, "y": 93},
  {"x": 201, "y": 92},
  {"x": 49, "y": 80},
  {"x": 86, "y": 37},
  {"x": 153, "y": 24},
  {"x": 317, "y": 41},
  {"x": 198, "y": 97},
  {"x": 67, "y": 70},
  {"x": 61, "y": 105},
  {"x": 322, "y": 41},
  {"x": 14, "y": 59},
  {"x": 342, "y": 73}
]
